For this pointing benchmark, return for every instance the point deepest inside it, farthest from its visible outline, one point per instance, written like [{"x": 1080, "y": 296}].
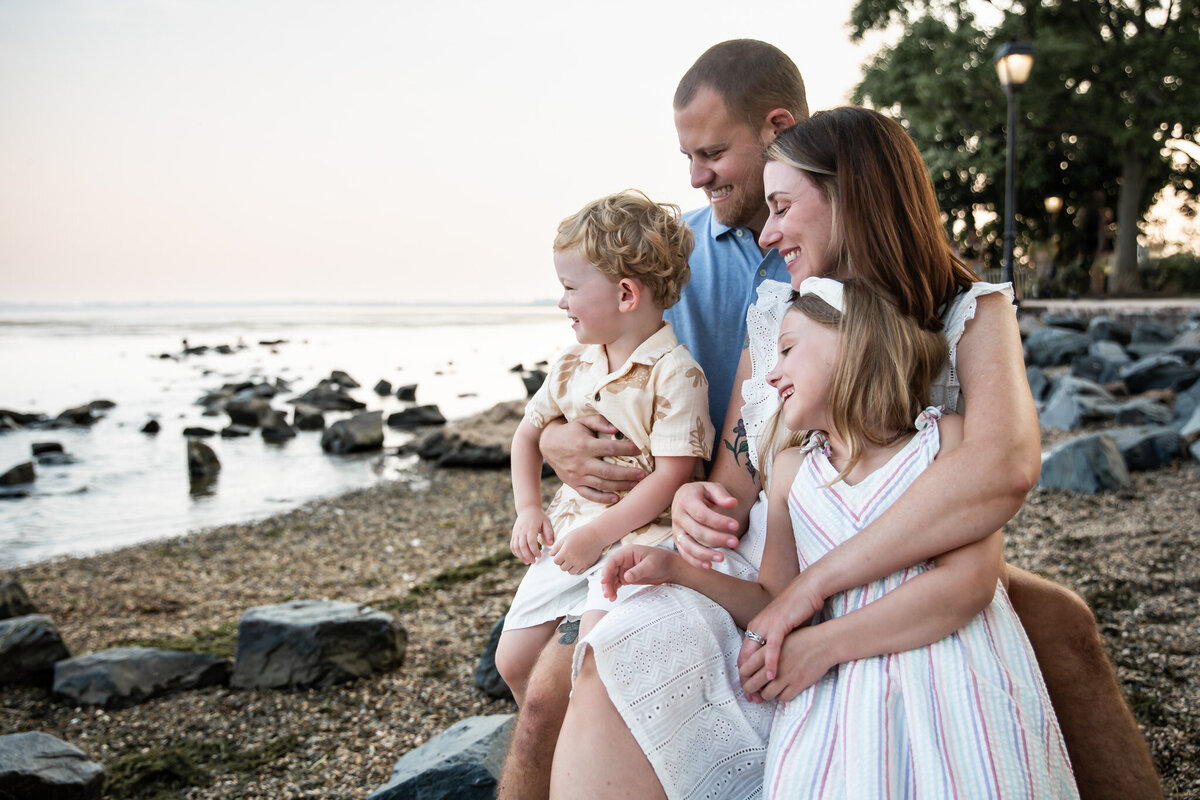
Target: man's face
[{"x": 725, "y": 155}]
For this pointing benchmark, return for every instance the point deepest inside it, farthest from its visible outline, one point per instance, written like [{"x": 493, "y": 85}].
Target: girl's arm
[
  {"x": 742, "y": 599},
  {"x": 713, "y": 514},
  {"x": 641, "y": 506},
  {"x": 965, "y": 495},
  {"x": 532, "y": 521}
]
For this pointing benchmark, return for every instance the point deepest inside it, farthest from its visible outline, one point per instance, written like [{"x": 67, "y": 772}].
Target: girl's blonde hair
[{"x": 885, "y": 364}]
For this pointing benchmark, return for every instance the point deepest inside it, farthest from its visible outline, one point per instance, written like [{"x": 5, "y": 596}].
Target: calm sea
[{"x": 127, "y": 486}]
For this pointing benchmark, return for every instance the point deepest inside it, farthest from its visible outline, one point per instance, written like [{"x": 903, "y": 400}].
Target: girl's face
[
  {"x": 803, "y": 374},
  {"x": 590, "y": 298},
  {"x": 800, "y": 225}
]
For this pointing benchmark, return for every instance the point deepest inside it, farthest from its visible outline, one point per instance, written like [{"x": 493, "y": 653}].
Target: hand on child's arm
[
  {"x": 637, "y": 564},
  {"x": 530, "y": 526},
  {"x": 789, "y": 610},
  {"x": 807, "y": 654},
  {"x": 581, "y": 550},
  {"x": 576, "y": 453}
]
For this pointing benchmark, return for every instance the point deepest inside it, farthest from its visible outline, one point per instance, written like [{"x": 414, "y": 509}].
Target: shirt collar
[{"x": 661, "y": 342}]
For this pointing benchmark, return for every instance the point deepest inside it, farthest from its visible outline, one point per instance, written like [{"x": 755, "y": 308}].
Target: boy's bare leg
[
  {"x": 597, "y": 757},
  {"x": 1108, "y": 753},
  {"x": 526, "y": 773}
]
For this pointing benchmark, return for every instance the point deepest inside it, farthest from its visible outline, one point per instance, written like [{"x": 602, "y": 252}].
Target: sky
[{"x": 252, "y": 150}]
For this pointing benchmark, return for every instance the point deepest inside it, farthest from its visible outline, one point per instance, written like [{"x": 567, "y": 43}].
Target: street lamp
[
  {"x": 1053, "y": 206},
  {"x": 1013, "y": 62}
]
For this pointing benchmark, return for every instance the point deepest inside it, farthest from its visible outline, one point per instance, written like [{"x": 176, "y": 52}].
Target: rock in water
[
  {"x": 416, "y": 416},
  {"x": 202, "y": 461},
  {"x": 360, "y": 432},
  {"x": 21, "y": 473}
]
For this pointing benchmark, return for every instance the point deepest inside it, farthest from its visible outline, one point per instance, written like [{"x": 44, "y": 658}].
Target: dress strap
[
  {"x": 928, "y": 417},
  {"x": 817, "y": 440}
]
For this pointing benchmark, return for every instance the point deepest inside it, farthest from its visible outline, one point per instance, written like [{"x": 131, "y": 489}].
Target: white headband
[{"x": 827, "y": 289}]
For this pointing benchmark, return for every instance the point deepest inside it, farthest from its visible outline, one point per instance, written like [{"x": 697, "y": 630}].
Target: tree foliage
[{"x": 1114, "y": 91}]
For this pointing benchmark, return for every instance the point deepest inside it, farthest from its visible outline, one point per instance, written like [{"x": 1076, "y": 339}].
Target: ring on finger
[{"x": 754, "y": 637}]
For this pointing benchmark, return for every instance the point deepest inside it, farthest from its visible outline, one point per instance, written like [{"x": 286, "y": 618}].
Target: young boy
[{"x": 621, "y": 260}]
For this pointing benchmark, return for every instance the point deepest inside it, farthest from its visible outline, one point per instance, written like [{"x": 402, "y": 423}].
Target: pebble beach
[{"x": 433, "y": 549}]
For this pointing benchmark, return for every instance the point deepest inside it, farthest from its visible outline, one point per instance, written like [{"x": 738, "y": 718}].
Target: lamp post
[{"x": 1013, "y": 62}]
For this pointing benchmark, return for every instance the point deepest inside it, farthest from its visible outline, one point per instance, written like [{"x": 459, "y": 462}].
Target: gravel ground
[{"x": 428, "y": 549}]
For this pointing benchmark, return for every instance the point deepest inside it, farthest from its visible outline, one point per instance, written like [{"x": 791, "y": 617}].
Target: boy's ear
[{"x": 630, "y": 294}]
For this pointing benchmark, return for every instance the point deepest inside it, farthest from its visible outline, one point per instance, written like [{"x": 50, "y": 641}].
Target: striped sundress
[{"x": 965, "y": 717}]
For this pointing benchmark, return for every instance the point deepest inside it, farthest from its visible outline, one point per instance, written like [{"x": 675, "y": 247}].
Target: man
[{"x": 728, "y": 108}]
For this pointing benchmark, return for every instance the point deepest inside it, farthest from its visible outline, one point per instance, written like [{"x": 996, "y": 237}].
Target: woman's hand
[
  {"x": 791, "y": 609},
  {"x": 531, "y": 530},
  {"x": 576, "y": 453},
  {"x": 806, "y": 655},
  {"x": 699, "y": 525},
  {"x": 637, "y": 564}
]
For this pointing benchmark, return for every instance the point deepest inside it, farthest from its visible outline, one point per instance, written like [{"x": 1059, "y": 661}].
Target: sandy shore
[{"x": 432, "y": 549}]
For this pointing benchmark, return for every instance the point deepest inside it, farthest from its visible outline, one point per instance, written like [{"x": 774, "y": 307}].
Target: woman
[{"x": 847, "y": 191}]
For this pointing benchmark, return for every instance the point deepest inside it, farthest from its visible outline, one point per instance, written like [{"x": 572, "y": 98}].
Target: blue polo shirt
[{"x": 710, "y": 318}]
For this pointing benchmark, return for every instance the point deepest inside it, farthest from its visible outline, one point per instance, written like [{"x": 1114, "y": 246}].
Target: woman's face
[{"x": 800, "y": 225}]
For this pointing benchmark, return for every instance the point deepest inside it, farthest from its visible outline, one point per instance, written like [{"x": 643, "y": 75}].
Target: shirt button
[
  {"x": 762, "y": 273},
  {"x": 738, "y": 232}
]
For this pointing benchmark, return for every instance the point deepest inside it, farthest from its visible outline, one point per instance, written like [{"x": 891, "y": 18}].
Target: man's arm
[{"x": 576, "y": 453}]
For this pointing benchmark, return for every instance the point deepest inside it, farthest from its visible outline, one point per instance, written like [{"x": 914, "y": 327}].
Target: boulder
[
  {"x": 1049, "y": 347},
  {"x": 21, "y": 473},
  {"x": 342, "y": 379},
  {"x": 1148, "y": 446},
  {"x": 315, "y": 642},
  {"x": 30, "y": 645},
  {"x": 201, "y": 460},
  {"x": 329, "y": 399},
  {"x": 451, "y": 450},
  {"x": 1158, "y": 372},
  {"x": 308, "y": 418},
  {"x": 86, "y": 414},
  {"x": 1190, "y": 430},
  {"x": 1076, "y": 402},
  {"x": 1149, "y": 331},
  {"x": 1039, "y": 384},
  {"x": 40, "y": 448},
  {"x": 1089, "y": 463},
  {"x": 37, "y": 765},
  {"x": 487, "y": 677},
  {"x": 1142, "y": 411},
  {"x": 199, "y": 432},
  {"x": 236, "y": 431},
  {"x": 1105, "y": 329},
  {"x": 20, "y": 419},
  {"x": 125, "y": 676},
  {"x": 383, "y": 388},
  {"x": 1194, "y": 449},
  {"x": 275, "y": 427},
  {"x": 151, "y": 427},
  {"x": 416, "y": 417},
  {"x": 56, "y": 459},
  {"x": 1144, "y": 349},
  {"x": 461, "y": 763},
  {"x": 359, "y": 433},
  {"x": 248, "y": 411},
  {"x": 407, "y": 393},
  {"x": 13, "y": 601},
  {"x": 533, "y": 381},
  {"x": 1064, "y": 319}
]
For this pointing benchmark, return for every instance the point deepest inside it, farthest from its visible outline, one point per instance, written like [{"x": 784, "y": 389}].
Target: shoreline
[{"x": 1130, "y": 554}]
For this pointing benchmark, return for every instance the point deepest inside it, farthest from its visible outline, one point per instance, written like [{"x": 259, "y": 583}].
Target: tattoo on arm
[{"x": 740, "y": 446}]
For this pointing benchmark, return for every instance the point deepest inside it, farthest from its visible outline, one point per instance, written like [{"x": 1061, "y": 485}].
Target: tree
[{"x": 1115, "y": 90}]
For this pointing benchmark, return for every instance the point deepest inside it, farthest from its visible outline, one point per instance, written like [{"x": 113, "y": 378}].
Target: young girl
[
  {"x": 622, "y": 259},
  {"x": 920, "y": 684}
]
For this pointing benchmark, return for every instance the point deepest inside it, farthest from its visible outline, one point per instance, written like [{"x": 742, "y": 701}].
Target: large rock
[
  {"x": 329, "y": 399},
  {"x": 342, "y": 379},
  {"x": 275, "y": 427},
  {"x": 13, "y": 601},
  {"x": 1039, "y": 384},
  {"x": 21, "y": 473},
  {"x": 20, "y": 419},
  {"x": 1090, "y": 463},
  {"x": 202, "y": 461},
  {"x": 1148, "y": 446},
  {"x": 359, "y": 433},
  {"x": 1075, "y": 402},
  {"x": 416, "y": 417},
  {"x": 407, "y": 393},
  {"x": 1049, "y": 347},
  {"x": 1158, "y": 372},
  {"x": 1149, "y": 331},
  {"x": 1142, "y": 411},
  {"x": 126, "y": 676},
  {"x": 248, "y": 411},
  {"x": 36, "y": 765},
  {"x": 308, "y": 418},
  {"x": 316, "y": 642},
  {"x": 383, "y": 388},
  {"x": 461, "y": 763},
  {"x": 487, "y": 678},
  {"x": 1190, "y": 429},
  {"x": 452, "y": 450},
  {"x": 1105, "y": 329},
  {"x": 29, "y": 648}
]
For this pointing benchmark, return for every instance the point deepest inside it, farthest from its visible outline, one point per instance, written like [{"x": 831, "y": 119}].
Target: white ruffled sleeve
[
  {"x": 945, "y": 390},
  {"x": 763, "y": 320}
]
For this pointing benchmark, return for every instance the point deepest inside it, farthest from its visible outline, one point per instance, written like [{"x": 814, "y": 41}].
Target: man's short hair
[
  {"x": 751, "y": 77},
  {"x": 628, "y": 235}
]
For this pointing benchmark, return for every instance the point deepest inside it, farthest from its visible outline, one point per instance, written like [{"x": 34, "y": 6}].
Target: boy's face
[
  {"x": 725, "y": 158},
  {"x": 590, "y": 298}
]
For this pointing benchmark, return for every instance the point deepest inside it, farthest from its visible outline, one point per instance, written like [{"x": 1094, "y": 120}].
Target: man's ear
[
  {"x": 776, "y": 120},
  {"x": 631, "y": 294}
]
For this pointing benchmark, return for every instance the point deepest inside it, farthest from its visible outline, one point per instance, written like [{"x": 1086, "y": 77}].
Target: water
[{"x": 128, "y": 486}]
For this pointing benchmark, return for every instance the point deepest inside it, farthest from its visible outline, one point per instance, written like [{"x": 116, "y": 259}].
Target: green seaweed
[
  {"x": 160, "y": 772},
  {"x": 219, "y": 641}
]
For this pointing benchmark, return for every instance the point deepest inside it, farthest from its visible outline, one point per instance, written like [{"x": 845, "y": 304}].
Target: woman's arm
[
  {"x": 965, "y": 495},
  {"x": 641, "y": 506},
  {"x": 713, "y": 514}
]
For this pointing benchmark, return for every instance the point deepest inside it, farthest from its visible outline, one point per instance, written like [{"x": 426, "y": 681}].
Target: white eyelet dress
[{"x": 668, "y": 655}]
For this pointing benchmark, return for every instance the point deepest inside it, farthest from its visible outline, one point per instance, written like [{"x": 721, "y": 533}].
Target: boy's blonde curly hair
[{"x": 628, "y": 235}]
